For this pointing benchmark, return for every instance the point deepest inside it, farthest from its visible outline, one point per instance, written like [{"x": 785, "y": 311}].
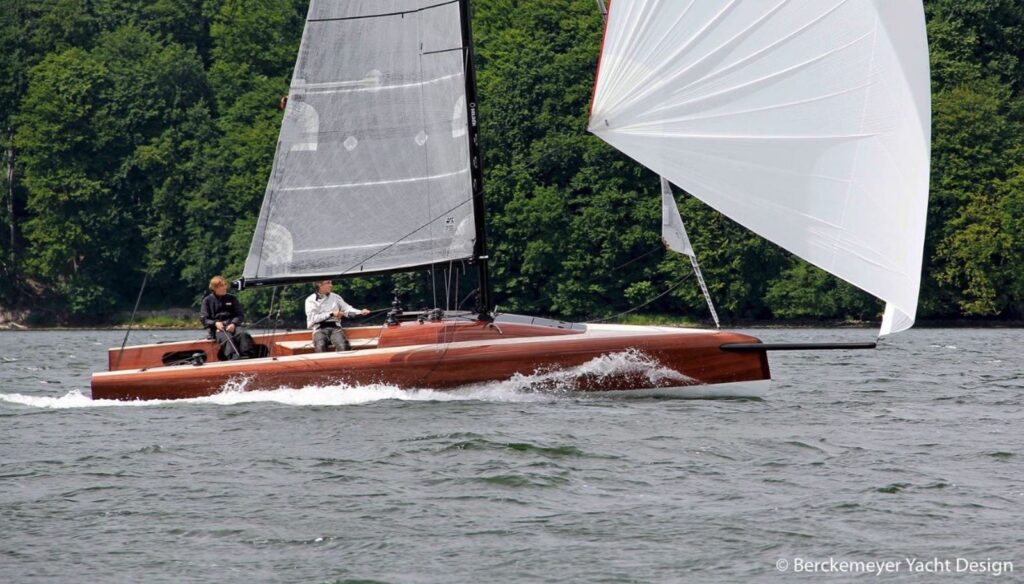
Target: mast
[{"x": 485, "y": 304}]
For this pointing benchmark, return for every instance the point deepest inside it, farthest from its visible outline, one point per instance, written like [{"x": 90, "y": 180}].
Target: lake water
[{"x": 914, "y": 450}]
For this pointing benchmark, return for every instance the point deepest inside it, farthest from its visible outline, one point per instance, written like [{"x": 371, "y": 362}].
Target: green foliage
[
  {"x": 804, "y": 291},
  {"x": 566, "y": 211},
  {"x": 978, "y": 142},
  {"x": 655, "y": 320},
  {"x": 182, "y": 21},
  {"x": 983, "y": 253},
  {"x": 108, "y": 115},
  {"x": 29, "y": 30},
  {"x": 157, "y": 322},
  {"x": 144, "y": 133},
  {"x": 253, "y": 41}
]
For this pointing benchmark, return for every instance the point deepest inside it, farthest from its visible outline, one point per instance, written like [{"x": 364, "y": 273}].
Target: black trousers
[
  {"x": 330, "y": 336},
  {"x": 239, "y": 347}
]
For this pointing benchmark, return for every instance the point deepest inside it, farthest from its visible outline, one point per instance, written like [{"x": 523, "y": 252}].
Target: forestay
[
  {"x": 806, "y": 121},
  {"x": 675, "y": 238},
  {"x": 372, "y": 169}
]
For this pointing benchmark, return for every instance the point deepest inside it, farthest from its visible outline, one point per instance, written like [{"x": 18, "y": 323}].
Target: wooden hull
[{"x": 453, "y": 354}]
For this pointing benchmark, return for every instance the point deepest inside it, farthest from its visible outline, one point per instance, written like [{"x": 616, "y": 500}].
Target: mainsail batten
[
  {"x": 806, "y": 122},
  {"x": 378, "y": 183},
  {"x": 373, "y": 147}
]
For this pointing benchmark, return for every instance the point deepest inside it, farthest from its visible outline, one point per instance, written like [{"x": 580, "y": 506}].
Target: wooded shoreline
[
  {"x": 138, "y": 137},
  {"x": 733, "y": 325}
]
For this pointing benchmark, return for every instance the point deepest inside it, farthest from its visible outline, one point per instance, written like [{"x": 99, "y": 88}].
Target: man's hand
[
  {"x": 337, "y": 314},
  {"x": 220, "y": 325},
  {"x": 231, "y": 328},
  {"x": 364, "y": 311}
]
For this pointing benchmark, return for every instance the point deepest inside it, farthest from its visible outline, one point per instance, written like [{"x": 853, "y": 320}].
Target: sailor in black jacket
[{"x": 222, "y": 316}]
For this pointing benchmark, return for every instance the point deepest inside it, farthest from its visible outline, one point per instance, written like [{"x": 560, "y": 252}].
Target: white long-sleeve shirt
[{"x": 321, "y": 308}]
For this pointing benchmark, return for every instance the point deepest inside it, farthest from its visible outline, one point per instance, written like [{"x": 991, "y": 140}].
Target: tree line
[{"x": 138, "y": 138}]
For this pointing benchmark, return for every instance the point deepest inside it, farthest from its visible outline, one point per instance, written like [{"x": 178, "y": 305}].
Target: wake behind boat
[{"x": 806, "y": 122}]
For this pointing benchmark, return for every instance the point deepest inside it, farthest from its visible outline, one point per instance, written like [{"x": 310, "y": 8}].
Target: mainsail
[
  {"x": 806, "y": 121},
  {"x": 374, "y": 169}
]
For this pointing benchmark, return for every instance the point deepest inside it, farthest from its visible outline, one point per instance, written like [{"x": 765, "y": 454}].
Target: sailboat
[{"x": 805, "y": 121}]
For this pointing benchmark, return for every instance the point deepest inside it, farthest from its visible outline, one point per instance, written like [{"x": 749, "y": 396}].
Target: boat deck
[{"x": 440, "y": 355}]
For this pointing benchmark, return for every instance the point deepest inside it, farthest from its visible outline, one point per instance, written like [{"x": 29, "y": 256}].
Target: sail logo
[{"x": 459, "y": 118}]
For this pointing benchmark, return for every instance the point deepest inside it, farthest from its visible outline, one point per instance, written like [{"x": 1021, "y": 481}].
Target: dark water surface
[{"x": 914, "y": 450}]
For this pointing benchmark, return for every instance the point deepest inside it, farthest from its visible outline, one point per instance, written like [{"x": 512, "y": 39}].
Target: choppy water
[{"x": 914, "y": 450}]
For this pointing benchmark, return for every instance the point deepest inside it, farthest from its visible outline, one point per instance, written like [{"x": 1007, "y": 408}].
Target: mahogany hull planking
[{"x": 441, "y": 355}]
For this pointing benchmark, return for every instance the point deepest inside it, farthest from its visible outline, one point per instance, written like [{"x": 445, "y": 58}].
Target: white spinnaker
[{"x": 806, "y": 121}]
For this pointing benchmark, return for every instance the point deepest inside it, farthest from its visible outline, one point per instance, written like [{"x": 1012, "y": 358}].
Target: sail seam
[
  {"x": 401, "y": 13},
  {"x": 338, "y": 87},
  {"x": 753, "y": 57},
  {"x": 646, "y": 131},
  {"x": 729, "y": 114},
  {"x": 451, "y": 50},
  {"x": 638, "y": 92},
  {"x": 857, "y": 152},
  {"x": 365, "y": 247},
  {"x": 404, "y": 237},
  {"x": 761, "y": 81},
  {"x": 377, "y": 183}
]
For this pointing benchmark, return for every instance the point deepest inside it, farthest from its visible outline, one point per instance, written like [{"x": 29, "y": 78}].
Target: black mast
[{"x": 485, "y": 304}]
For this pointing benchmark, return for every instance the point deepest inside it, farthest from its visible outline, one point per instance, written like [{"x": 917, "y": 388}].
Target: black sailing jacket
[{"x": 226, "y": 309}]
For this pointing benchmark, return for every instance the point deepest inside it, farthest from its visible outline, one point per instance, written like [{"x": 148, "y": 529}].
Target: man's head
[
  {"x": 218, "y": 285},
  {"x": 323, "y": 287}
]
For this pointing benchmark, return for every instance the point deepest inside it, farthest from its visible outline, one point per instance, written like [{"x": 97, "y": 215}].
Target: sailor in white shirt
[{"x": 324, "y": 311}]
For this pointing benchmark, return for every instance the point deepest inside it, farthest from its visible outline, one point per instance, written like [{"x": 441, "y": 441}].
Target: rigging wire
[
  {"x": 132, "y": 320},
  {"x": 704, "y": 289},
  {"x": 448, "y": 286},
  {"x": 471, "y": 294},
  {"x": 635, "y": 308},
  {"x": 455, "y": 290},
  {"x": 637, "y": 258},
  {"x": 612, "y": 270},
  {"x": 433, "y": 284},
  {"x": 369, "y": 257},
  {"x": 270, "y": 313},
  {"x": 603, "y": 9},
  {"x": 453, "y": 270}
]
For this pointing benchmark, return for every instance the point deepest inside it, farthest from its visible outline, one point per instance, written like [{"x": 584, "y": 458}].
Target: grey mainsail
[{"x": 373, "y": 170}]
